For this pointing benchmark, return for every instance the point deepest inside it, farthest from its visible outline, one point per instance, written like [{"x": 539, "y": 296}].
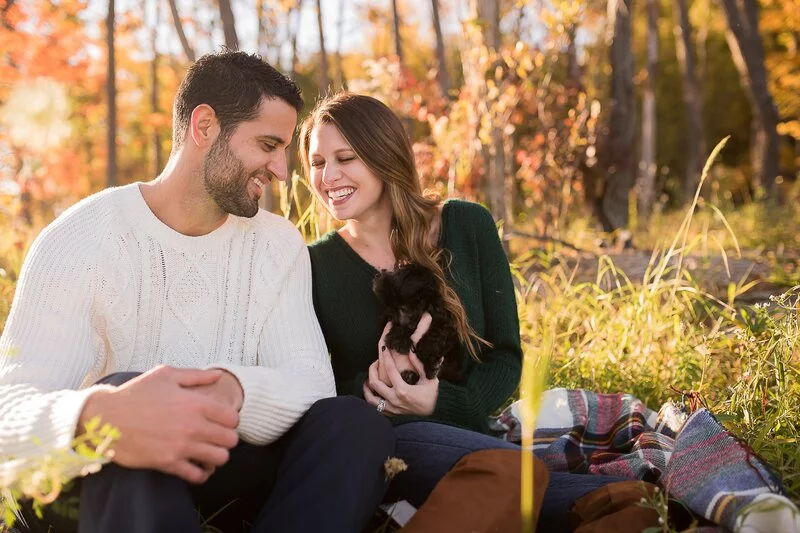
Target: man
[{"x": 183, "y": 285}]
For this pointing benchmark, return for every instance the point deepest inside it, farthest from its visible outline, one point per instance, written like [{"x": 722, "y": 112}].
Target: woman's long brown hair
[{"x": 377, "y": 137}]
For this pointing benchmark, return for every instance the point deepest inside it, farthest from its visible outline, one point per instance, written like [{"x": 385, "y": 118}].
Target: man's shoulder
[
  {"x": 89, "y": 220},
  {"x": 75, "y": 241}
]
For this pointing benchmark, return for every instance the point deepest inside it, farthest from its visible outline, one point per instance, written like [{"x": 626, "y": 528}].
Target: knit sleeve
[
  {"x": 293, "y": 369},
  {"x": 48, "y": 347},
  {"x": 488, "y": 384}
]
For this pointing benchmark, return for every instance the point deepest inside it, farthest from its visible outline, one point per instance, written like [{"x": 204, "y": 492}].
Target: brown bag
[
  {"x": 480, "y": 494},
  {"x": 616, "y": 507}
]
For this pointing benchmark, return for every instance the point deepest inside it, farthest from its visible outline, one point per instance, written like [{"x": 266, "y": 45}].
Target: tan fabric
[{"x": 481, "y": 494}]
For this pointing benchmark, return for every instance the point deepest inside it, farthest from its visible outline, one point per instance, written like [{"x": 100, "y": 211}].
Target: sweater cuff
[
  {"x": 66, "y": 415},
  {"x": 274, "y": 400},
  {"x": 53, "y": 439}
]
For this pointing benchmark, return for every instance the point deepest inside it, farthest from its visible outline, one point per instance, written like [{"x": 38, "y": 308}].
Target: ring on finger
[{"x": 381, "y": 405}]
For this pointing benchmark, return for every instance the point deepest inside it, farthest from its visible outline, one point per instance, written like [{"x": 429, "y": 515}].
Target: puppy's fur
[{"x": 406, "y": 293}]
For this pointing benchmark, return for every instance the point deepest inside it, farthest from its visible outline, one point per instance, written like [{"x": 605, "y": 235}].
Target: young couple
[{"x": 180, "y": 314}]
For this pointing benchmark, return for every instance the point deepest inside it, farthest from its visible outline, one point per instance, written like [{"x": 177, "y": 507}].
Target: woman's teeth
[{"x": 341, "y": 193}]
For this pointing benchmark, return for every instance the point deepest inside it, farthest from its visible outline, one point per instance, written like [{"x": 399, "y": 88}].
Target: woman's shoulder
[
  {"x": 324, "y": 242},
  {"x": 459, "y": 206},
  {"x": 464, "y": 214},
  {"x": 324, "y": 247}
]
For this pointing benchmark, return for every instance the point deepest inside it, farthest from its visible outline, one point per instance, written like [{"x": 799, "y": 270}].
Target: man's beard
[{"x": 225, "y": 180}]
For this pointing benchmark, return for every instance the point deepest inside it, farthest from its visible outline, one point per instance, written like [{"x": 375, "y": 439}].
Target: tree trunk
[
  {"x": 111, "y": 95},
  {"x": 516, "y": 34},
  {"x": 647, "y": 164},
  {"x": 6, "y": 25},
  {"x": 747, "y": 49},
  {"x": 398, "y": 40},
  {"x": 154, "y": 108},
  {"x": 488, "y": 12},
  {"x": 339, "y": 79},
  {"x": 573, "y": 67},
  {"x": 324, "y": 85},
  {"x": 263, "y": 43},
  {"x": 261, "y": 33},
  {"x": 228, "y": 24},
  {"x": 444, "y": 82},
  {"x": 298, "y": 9},
  {"x": 176, "y": 19},
  {"x": 616, "y": 153},
  {"x": 693, "y": 98}
]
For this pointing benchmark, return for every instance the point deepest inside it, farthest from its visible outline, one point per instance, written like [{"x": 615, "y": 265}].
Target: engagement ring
[{"x": 381, "y": 405}]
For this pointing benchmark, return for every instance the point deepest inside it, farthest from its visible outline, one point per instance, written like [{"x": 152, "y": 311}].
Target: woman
[{"x": 360, "y": 163}]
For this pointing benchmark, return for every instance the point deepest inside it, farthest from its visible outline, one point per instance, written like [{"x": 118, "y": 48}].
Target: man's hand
[
  {"x": 226, "y": 389},
  {"x": 166, "y": 423}
]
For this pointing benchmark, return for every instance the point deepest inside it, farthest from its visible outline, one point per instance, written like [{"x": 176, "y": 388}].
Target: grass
[
  {"x": 649, "y": 337},
  {"x": 665, "y": 333}
]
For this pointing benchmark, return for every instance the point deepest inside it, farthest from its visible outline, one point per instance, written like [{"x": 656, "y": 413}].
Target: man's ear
[{"x": 203, "y": 126}]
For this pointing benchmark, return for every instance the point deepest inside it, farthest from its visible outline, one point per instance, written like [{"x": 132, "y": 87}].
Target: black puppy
[{"x": 406, "y": 293}]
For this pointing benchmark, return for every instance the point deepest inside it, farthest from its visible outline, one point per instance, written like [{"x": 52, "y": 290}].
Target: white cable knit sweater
[{"x": 107, "y": 287}]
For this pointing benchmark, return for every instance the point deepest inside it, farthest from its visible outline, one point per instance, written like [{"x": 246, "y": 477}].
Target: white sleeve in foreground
[
  {"x": 47, "y": 349},
  {"x": 294, "y": 369}
]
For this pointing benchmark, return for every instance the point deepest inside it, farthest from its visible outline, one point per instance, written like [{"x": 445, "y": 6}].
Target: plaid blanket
[{"x": 692, "y": 456}]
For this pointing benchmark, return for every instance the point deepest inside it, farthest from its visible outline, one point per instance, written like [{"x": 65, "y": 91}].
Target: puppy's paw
[{"x": 410, "y": 376}]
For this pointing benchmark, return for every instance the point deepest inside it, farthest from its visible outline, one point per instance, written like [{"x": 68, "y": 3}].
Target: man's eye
[{"x": 268, "y": 147}]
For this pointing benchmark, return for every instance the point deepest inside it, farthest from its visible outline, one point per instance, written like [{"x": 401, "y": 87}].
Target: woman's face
[{"x": 343, "y": 183}]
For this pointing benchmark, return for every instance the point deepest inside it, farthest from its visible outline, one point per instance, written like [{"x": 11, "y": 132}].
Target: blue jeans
[{"x": 430, "y": 450}]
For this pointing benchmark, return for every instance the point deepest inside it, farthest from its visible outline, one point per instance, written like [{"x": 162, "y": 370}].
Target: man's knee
[
  {"x": 117, "y": 378},
  {"x": 354, "y": 416}
]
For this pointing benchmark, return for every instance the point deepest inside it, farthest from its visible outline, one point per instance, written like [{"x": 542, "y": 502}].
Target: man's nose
[{"x": 279, "y": 167}]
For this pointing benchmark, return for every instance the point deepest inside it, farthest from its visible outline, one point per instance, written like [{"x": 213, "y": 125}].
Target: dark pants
[
  {"x": 325, "y": 474},
  {"x": 432, "y": 449}
]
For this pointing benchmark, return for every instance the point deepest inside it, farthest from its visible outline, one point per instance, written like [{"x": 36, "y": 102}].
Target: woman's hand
[{"x": 386, "y": 383}]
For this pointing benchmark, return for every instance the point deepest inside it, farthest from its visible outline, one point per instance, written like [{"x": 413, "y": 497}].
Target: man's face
[{"x": 236, "y": 169}]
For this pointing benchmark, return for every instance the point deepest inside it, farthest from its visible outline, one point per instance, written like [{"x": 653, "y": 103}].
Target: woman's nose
[{"x": 330, "y": 174}]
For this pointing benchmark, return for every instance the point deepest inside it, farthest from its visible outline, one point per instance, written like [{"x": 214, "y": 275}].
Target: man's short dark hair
[{"x": 233, "y": 83}]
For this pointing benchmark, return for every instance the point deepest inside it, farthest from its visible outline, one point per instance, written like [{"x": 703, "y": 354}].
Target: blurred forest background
[
  {"x": 583, "y": 125},
  {"x": 548, "y": 111}
]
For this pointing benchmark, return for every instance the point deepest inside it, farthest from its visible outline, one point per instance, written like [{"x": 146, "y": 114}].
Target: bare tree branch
[
  {"x": 176, "y": 19},
  {"x": 228, "y": 24}
]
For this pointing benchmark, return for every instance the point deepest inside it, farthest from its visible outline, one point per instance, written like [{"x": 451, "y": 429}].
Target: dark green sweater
[{"x": 349, "y": 314}]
